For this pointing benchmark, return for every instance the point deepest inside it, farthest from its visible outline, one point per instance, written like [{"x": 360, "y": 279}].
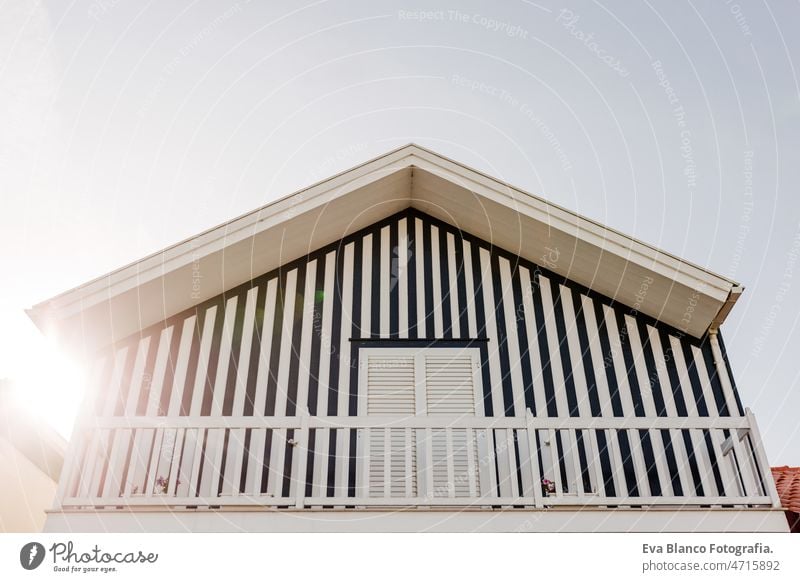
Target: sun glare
[{"x": 49, "y": 385}]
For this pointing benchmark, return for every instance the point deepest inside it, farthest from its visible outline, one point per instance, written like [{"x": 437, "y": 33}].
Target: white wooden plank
[
  {"x": 255, "y": 462},
  {"x": 366, "y": 285},
  {"x": 438, "y": 323},
  {"x": 319, "y": 485},
  {"x": 402, "y": 276},
  {"x": 140, "y": 455},
  {"x": 683, "y": 374},
  {"x": 661, "y": 370},
  {"x": 682, "y": 460},
  {"x": 113, "y": 395},
  {"x": 344, "y": 345},
  {"x": 724, "y": 464},
  {"x": 640, "y": 366},
  {"x": 575, "y": 355},
  {"x": 159, "y": 369},
  {"x": 724, "y": 377},
  {"x": 749, "y": 479},
  {"x": 452, "y": 285},
  {"x": 450, "y": 462},
  {"x": 512, "y": 463},
  {"x": 342, "y": 462},
  {"x": 420, "y": 271},
  {"x": 265, "y": 353},
  {"x": 181, "y": 366},
  {"x": 224, "y": 358},
  {"x": 155, "y": 454},
  {"x": 363, "y": 455},
  {"x": 202, "y": 361},
  {"x": 637, "y": 455},
  {"x": 556, "y": 365},
  {"x": 386, "y": 258},
  {"x": 243, "y": 361},
  {"x": 539, "y": 398},
  {"x": 620, "y": 482},
  {"x": 510, "y": 315},
  {"x": 410, "y": 451},
  {"x": 703, "y": 465},
  {"x": 233, "y": 462},
  {"x": 175, "y": 461},
  {"x": 198, "y": 461},
  {"x": 469, "y": 282},
  {"x": 137, "y": 377},
  {"x": 287, "y": 327},
  {"x": 387, "y": 462},
  {"x": 116, "y": 463},
  {"x": 593, "y": 460},
  {"x": 618, "y": 360},
  {"x": 471, "y": 463},
  {"x": 187, "y": 486},
  {"x": 276, "y": 463},
  {"x": 596, "y": 352},
  {"x": 705, "y": 381},
  {"x": 490, "y": 306}
]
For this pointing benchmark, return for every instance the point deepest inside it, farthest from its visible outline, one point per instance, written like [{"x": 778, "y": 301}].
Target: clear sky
[{"x": 126, "y": 126}]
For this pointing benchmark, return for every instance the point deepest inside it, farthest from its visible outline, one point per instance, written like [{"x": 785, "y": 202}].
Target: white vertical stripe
[
  {"x": 468, "y": 278},
  {"x": 453, "y": 285},
  {"x": 661, "y": 369},
  {"x": 510, "y": 314},
  {"x": 255, "y": 462},
  {"x": 596, "y": 351},
  {"x": 703, "y": 464},
  {"x": 287, "y": 327},
  {"x": 556, "y": 366},
  {"x": 319, "y": 484},
  {"x": 137, "y": 376},
  {"x": 115, "y": 384},
  {"x": 683, "y": 373},
  {"x": 343, "y": 438},
  {"x": 159, "y": 369},
  {"x": 260, "y": 399},
  {"x": 366, "y": 285},
  {"x": 402, "y": 276},
  {"x": 638, "y": 462},
  {"x": 705, "y": 381},
  {"x": 491, "y": 331},
  {"x": 181, "y": 366},
  {"x": 420, "y": 251},
  {"x": 327, "y": 335},
  {"x": 436, "y": 274},
  {"x": 248, "y": 323},
  {"x": 682, "y": 461},
  {"x": 202, "y": 361},
  {"x": 539, "y": 398},
  {"x": 619, "y": 361},
  {"x": 276, "y": 463},
  {"x": 575, "y": 354},
  {"x": 305, "y": 340},
  {"x": 640, "y": 365},
  {"x": 725, "y": 379},
  {"x": 220, "y": 384},
  {"x": 386, "y": 258}
]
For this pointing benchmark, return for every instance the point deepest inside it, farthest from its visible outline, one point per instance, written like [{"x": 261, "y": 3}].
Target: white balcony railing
[{"x": 302, "y": 462}]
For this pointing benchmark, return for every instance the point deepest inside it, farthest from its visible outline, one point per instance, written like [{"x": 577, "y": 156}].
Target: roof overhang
[{"x": 111, "y": 307}]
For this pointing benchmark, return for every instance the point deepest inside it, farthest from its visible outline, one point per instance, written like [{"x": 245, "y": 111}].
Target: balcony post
[
  {"x": 301, "y": 452},
  {"x": 761, "y": 458},
  {"x": 538, "y": 501}
]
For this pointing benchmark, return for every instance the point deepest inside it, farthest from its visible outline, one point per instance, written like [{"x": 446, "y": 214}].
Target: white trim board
[{"x": 113, "y": 306}]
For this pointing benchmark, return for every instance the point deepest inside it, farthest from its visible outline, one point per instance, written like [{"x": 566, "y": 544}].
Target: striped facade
[{"x": 288, "y": 341}]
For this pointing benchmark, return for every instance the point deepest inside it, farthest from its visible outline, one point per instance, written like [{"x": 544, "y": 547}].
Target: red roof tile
[{"x": 787, "y": 481}]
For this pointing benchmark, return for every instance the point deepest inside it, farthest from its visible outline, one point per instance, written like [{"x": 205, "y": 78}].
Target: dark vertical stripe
[
  {"x": 356, "y": 326},
  {"x": 461, "y": 286},
  {"x": 586, "y": 354},
  {"x": 586, "y": 478},
  {"x": 522, "y": 336},
  {"x": 444, "y": 275},
  {"x": 248, "y": 433},
  {"x": 650, "y": 462},
  {"x": 266, "y": 460},
  {"x": 694, "y": 378},
  {"x": 725, "y": 358},
  {"x": 255, "y": 351},
  {"x": 672, "y": 463},
  {"x": 713, "y": 376},
  {"x": 336, "y": 334},
  {"x": 394, "y": 282},
  {"x": 712, "y": 456},
  {"x": 608, "y": 357},
  {"x": 297, "y": 331},
  {"x": 480, "y": 321},
  {"x": 332, "y": 462},
  {"x": 236, "y": 346},
  {"x": 316, "y": 338},
  {"x": 225, "y": 441},
  {"x": 287, "y": 464},
  {"x": 275, "y": 346},
  {"x": 351, "y": 472},
  {"x": 627, "y": 358},
  {"x": 375, "y": 307},
  {"x": 411, "y": 269},
  {"x": 427, "y": 253},
  {"x": 213, "y": 358},
  {"x": 605, "y": 464},
  {"x": 563, "y": 347},
  {"x": 562, "y": 463},
  {"x": 690, "y": 455},
  {"x": 652, "y": 371},
  {"x": 309, "y": 476},
  {"x": 544, "y": 351},
  {"x": 627, "y": 463},
  {"x": 502, "y": 335},
  {"x": 672, "y": 372}
]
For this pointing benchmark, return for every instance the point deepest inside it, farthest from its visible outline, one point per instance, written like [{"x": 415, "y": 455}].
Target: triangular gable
[{"x": 678, "y": 293}]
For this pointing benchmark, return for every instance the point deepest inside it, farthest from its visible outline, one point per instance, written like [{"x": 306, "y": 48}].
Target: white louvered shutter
[{"x": 432, "y": 381}]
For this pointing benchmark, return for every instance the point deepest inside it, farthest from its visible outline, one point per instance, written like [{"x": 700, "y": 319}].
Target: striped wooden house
[{"x": 409, "y": 345}]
